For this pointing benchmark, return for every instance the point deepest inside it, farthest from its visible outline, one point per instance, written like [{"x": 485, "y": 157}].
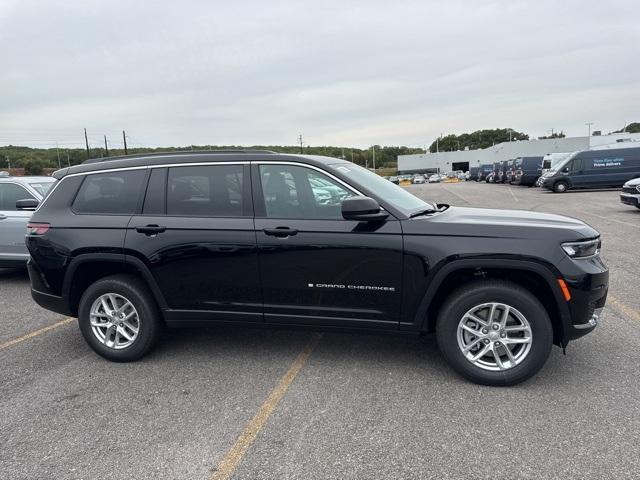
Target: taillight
[{"x": 37, "y": 228}]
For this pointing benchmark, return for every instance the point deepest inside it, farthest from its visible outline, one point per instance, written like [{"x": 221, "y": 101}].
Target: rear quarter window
[{"x": 110, "y": 193}]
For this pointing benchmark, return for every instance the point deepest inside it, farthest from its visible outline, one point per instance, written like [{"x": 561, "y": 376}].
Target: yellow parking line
[
  {"x": 237, "y": 452},
  {"x": 36, "y": 333},
  {"x": 626, "y": 310}
]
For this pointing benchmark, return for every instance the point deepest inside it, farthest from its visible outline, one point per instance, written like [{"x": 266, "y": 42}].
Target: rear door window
[
  {"x": 206, "y": 191},
  {"x": 115, "y": 193}
]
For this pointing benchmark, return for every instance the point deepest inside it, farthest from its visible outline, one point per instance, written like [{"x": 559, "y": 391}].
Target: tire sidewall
[
  {"x": 147, "y": 316},
  {"x": 520, "y": 299}
]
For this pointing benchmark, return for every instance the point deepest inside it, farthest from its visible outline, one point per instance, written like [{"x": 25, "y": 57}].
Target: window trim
[{"x": 260, "y": 209}]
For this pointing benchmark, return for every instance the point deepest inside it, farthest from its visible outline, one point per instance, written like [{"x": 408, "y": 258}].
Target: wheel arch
[
  {"x": 85, "y": 269},
  {"x": 536, "y": 277}
]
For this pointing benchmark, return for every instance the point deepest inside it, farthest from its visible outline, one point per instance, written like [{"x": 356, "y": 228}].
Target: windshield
[
  {"x": 389, "y": 192},
  {"x": 561, "y": 164},
  {"x": 42, "y": 187}
]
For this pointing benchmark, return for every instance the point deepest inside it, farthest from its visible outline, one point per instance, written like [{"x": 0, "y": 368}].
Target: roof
[{"x": 163, "y": 158}]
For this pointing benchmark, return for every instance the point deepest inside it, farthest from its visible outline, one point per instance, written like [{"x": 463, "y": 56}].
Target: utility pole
[
  {"x": 68, "y": 160},
  {"x": 58, "y": 153},
  {"x": 124, "y": 139},
  {"x": 300, "y": 141},
  {"x": 374, "y": 157},
  {"x": 588, "y": 124},
  {"x": 106, "y": 149},
  {"x": 8, "y": 162},
  {"x": 86, "y": 141}
]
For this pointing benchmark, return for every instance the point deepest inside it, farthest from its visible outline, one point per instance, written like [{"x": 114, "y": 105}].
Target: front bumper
[
  {"x": 630, "y": 199},
  {"x": 588, "y": 282}
]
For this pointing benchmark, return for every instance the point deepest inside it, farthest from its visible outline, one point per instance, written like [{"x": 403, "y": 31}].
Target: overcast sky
[{"x": 340, "y": 73}]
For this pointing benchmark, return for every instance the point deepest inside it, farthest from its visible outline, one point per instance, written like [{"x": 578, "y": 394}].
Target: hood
[
  {"x": 487, "y": 222},
  {"x": 633, "y": 183}
]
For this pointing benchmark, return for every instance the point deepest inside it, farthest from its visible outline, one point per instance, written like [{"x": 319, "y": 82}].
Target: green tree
[
  {"x": 633, "y": 127},
  {"x": 478, "y": 139}
]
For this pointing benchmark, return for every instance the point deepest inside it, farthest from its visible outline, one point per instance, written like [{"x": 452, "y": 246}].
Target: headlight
[{"x": 586, "y": 249}]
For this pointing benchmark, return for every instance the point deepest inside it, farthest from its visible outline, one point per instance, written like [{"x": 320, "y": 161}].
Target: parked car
[
  {"x": 417, "y": 179},
  {"x": 594, "y": 169},
  {"x": 394, "y": 179},
  {"x": 131, "y": 244},
  {"x": 630, "y": 194},
  {"x": 435, "y": 178},
  {"x": 502, "y": 172},
  {"x": 527, "y": 170},
  {"x": 19, "y": 196},
  {"x": 474, "y": 173}
]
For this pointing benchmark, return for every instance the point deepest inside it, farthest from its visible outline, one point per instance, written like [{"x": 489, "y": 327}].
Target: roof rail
[{"x": 177, "y": 152}]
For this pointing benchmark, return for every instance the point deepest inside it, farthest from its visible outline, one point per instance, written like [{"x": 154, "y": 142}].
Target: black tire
[
  {"x": 560, "y": 187},
  {"x": 150, "y": 322},
  {"x": 467, "y": 297}
]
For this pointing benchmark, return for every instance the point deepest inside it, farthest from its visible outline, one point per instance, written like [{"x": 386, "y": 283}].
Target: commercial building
[{"x": 443, "y": 162}]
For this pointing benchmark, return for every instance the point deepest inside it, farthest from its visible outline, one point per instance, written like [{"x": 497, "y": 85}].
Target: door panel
[
  {"x": 200, "y": 264},
  {"x": 327, "y": 271},
  {"x": 13, "y": 222},
  {"x": 200, "y": 244}
]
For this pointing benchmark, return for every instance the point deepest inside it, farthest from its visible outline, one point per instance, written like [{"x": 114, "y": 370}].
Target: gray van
[
  {"x": 13, "y": 220},
  {"x": 594, "y": 169}
]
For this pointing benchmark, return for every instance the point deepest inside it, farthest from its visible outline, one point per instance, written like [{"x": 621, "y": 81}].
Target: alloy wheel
[
  {"x": 114, "y": 321},
  {"x": 494, "y": 336}
]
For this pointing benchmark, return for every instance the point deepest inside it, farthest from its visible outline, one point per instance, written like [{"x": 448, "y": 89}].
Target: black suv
[{"x": 132, "y": 244}]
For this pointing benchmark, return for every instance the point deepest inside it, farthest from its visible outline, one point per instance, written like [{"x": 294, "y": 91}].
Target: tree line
[{"x": 36, "y": 160}]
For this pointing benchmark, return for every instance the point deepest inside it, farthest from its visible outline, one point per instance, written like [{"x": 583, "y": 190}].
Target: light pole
[{"x": 588, "y": 124}]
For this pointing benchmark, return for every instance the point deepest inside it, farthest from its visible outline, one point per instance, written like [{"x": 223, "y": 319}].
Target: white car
[
  {"x": 418, "y": 179},
  {"x": 435, "y": 178}
]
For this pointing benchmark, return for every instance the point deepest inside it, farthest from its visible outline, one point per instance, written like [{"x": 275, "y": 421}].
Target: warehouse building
[{"x": 443, "y": 162}]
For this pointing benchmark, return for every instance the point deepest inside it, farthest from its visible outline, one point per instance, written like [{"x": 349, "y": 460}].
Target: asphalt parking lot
[{"x": 250, "y": 403}]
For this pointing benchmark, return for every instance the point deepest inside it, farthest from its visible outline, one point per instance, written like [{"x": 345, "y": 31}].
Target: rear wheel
[
  {"x": 118, "y": 318},
  {"x": 494, "y": 333},
  {"x": 560, "y": 187}
]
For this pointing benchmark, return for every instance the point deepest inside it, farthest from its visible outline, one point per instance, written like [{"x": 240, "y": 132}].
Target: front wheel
[
  {"x": 560, "y": 187},
  {"x": 494, "y": 333}
]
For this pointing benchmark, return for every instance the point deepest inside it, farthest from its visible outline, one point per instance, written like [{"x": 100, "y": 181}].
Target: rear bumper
[
  {"x": 55, "y": 303},
  {"x": 630, "y": 199},
  {"x": 52, "y": 302}
]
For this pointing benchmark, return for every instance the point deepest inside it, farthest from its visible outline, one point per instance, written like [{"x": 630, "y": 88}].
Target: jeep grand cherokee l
[{"x": 132, "y": 244}]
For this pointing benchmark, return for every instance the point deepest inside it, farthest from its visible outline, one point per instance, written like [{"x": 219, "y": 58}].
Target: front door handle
[
  {"x": 280, "y": 232},
  {"x": 151, "y": 230}
]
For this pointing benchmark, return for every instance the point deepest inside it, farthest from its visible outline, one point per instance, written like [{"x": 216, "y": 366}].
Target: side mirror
[
  {"x": 565, "y": 170},
  {"x": 27, "y": 204},
  {"x": 362, "y": 209}
]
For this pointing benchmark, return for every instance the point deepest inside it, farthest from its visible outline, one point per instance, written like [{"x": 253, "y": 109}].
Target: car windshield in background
[
  {"x": 390, "y": 192},
  {"x": 42, "y": 187}
]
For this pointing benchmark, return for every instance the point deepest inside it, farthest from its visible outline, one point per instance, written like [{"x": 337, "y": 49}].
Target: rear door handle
[
  {"x": 280, "y": 232},
  {"x": 151, "y": 229},
  {"x": 2, "y": 216}
]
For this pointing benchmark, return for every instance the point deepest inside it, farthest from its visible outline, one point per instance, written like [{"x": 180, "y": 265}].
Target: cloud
[{"x": 348, "y": 73}]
